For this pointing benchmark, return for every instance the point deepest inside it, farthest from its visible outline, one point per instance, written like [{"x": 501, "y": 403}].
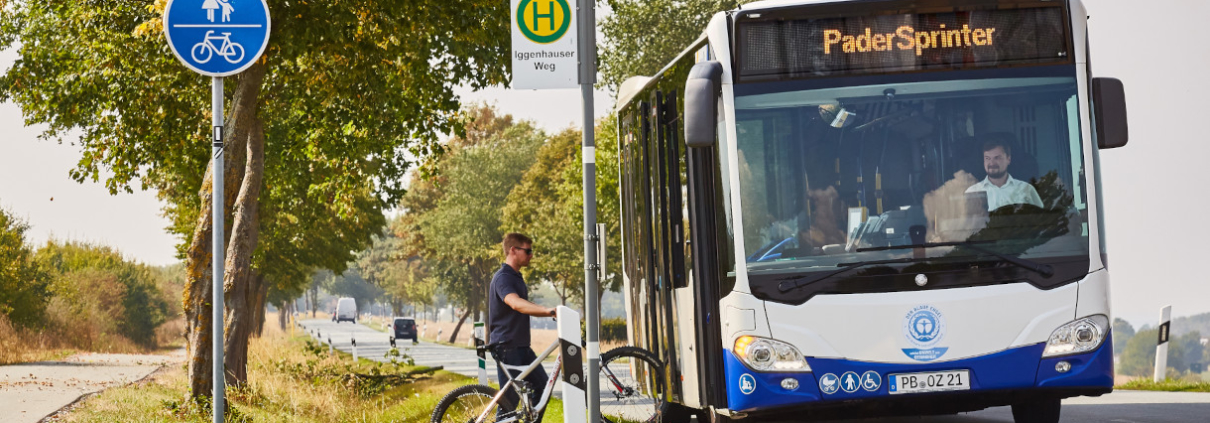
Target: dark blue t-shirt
[{"x": 508, "y": 327}]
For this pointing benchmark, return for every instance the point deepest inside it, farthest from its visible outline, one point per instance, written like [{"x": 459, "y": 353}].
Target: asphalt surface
[
  {"x": 29, "y": 392},
  {"x": 374, "y": 345},
  {"x": 1118, "y": 407}
]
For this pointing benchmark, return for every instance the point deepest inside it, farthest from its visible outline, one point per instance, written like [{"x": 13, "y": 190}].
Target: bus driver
[{"x": 1001, "y": 188}]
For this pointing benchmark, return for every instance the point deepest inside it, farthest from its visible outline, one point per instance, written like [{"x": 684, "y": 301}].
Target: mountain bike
[
  {"x": 631, "y": 384},
  {"x": 203, "y": 51}
]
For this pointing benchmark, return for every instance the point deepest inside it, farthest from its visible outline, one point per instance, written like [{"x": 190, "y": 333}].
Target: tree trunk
[
  {"x": 283, "y": 315},
  {"x": 262, "y": 306},
  {"x": 197, "y": 295},
  {"x": 454, "y": 335},
  {"x": 241, "y": 284}
]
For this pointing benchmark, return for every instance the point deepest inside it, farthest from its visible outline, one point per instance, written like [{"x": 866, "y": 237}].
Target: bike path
[{"x": 373, "y": 345}]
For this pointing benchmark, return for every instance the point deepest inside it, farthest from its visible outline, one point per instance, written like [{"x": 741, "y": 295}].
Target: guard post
[
  {"x": 573, "y": 382},
  {"x": 481, "y": 352},
  {"x": 1161, "y": 345}
]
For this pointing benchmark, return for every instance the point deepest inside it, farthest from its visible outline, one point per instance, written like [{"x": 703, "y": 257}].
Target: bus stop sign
[{"x": 217, "y": 37}]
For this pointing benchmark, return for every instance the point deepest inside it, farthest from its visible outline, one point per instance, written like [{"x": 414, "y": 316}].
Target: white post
[
  {"x": 218, "y": 269},
  {"x": 575, "y": 407},
  {"x": 351, "y": 337},
  {"x": 1161, "y": 347},
  {"x": 481, "y": 351}
]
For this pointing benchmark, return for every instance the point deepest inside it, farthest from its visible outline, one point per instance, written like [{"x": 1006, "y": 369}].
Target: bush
[
  {"x": 95, "y": 282},
  {"x": 23, "y": 283},
  {"x": 613, "y": 330}
]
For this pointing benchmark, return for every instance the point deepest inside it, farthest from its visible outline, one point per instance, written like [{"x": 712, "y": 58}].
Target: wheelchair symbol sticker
[{"x": 871, "y": 381}]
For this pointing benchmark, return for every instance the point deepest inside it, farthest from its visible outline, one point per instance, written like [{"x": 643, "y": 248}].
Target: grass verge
[
  {"x": 290, "y": 379},
  {"x": 1168, "y": 385}
]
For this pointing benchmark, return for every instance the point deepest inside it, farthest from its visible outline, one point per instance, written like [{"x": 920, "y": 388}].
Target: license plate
[{"x": 947, "y": 380}]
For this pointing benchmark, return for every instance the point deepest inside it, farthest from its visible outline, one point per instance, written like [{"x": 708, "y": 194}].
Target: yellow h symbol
[{"x": 549, "y": 15}]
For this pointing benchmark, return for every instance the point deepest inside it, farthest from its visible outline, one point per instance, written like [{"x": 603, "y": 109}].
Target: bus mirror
[
  {"x": 1109, "y": 103},
  {"x": 701, "y": 101}
]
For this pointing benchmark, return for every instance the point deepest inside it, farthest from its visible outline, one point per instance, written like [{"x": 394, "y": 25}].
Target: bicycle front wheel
[
  {"x": 631, "y": 384},
  {"x": 466, "y": 403}
]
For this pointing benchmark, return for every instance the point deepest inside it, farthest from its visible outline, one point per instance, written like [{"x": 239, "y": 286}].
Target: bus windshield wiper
[
  {"x": 1042, "y": 269},
  {"x": 796, "y": 282}
]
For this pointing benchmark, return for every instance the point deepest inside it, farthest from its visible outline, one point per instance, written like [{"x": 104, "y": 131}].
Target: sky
[{"x": 1149, "y": 188}]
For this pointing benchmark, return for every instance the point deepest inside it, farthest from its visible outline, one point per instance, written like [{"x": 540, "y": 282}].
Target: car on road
[
  {"x": 346, "y": 310},
  {"x": 404, "y": 328}
]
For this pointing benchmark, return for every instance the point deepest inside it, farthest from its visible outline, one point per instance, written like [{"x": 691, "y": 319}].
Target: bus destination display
[{"x": 794, "y": 48}]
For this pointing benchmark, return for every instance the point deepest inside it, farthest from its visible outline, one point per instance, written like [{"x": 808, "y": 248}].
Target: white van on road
[{"x": 346, "y": 310}]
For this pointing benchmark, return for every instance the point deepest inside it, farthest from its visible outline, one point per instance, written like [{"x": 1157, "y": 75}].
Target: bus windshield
[{"x": 829, "y": 176}]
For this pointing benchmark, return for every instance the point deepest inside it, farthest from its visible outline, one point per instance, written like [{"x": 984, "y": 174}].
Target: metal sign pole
[
  {"x": 216, "y": 321},
  {"x": 588, "y": 75}
]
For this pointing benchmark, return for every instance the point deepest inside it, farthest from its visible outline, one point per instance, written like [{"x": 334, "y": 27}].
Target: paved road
[
  {"x": 373, "y": 345},
  {"x": 29, "y": 392},
  {"x": 1118, "y": 407}
]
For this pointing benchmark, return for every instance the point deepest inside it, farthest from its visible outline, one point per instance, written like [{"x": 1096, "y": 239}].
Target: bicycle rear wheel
[
  {"x": 631, "y": 385},
  {"x": 466, "y": 403}
]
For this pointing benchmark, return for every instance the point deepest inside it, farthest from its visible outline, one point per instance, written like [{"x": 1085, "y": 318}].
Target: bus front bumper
[{"x": 997, "y": 379}]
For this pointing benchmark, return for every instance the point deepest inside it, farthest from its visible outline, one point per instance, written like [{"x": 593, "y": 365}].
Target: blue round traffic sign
[{"x": 217, "y": 37}]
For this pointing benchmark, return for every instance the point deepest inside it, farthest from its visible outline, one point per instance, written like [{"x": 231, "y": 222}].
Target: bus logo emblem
[
  {"x": 543, "y": 21},
  {"x": 924, "y": 327},
  {"x": 747, "y": 384}
]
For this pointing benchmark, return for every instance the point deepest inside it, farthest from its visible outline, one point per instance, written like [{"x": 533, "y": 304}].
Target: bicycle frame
[{"x": 525, "y": 406}]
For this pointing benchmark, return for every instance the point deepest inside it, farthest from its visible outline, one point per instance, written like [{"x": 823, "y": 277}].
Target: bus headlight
[
  {"x": 770, "y": 355},
  {"x": 1081, "y": 335}
]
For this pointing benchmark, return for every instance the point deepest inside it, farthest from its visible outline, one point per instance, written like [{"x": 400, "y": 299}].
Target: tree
[
  {"x": 1122, "y": 332},
  {"x": 641, "y": 36},
  {"x": 344, "y": 92},
  {"x": 462, "y": 233},
  {"x": 538, "y": 208},
  {"x": 1138, "y": 358},
  {"x": 23, "y": 283}
]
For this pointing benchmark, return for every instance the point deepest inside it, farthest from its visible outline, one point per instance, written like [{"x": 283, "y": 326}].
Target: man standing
[
  {"x": 1001, "y": 188},
  {"x": 509, "y": 309}
]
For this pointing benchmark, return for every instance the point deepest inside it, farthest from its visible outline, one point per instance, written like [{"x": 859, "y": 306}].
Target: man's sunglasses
[{"x": 528, "y": 251}]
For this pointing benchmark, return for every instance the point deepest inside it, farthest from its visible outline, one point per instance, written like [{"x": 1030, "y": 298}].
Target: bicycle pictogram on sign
[{"x": 203, "y": 51}]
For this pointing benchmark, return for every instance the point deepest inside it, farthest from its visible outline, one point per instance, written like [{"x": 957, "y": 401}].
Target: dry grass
[{"x": 289, "y": 381}]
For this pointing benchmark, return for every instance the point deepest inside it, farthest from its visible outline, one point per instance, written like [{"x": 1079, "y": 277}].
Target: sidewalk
[{"x": 29, "y": 392}]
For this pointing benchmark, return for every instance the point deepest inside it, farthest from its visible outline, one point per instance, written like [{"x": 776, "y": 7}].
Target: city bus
[{"x": 861, "y": 208}]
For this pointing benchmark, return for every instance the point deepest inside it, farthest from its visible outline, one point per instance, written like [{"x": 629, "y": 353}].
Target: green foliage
[
  {"x": 97, "y": 282},
  {"x": 1167, "y": 385},
  {"x": 459, "y": 218},
  {"x": 1122, "y": 332},
  {"x": 613, "y": 330},
  {"x": 641, "y": 36},
  {"x": 23, "y": 283},
  {"x": 352, "y": 90},
  {"x": 1138, "y": 358}
]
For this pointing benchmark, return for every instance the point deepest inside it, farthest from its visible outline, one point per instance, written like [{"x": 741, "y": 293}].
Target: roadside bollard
[
  {"x": 354, "y": 348},
  {"x": 329, "y": 345}
]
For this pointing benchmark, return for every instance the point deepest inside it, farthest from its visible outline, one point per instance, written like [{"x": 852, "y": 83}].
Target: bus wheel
[{"x": 1044, "y": 410}]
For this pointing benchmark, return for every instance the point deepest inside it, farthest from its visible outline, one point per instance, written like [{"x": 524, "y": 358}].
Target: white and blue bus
[{"x": 872, "y": 207}]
